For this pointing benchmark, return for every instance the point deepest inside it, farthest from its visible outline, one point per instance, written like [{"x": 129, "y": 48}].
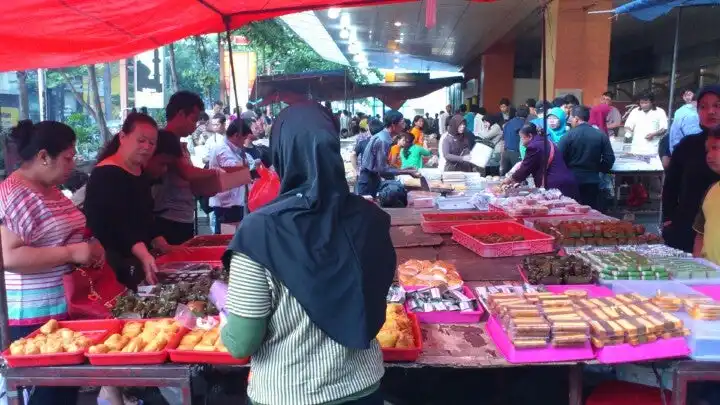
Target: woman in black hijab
[
  {"x": 309, "y": 273},
  {"x": 688, "y": 177}
]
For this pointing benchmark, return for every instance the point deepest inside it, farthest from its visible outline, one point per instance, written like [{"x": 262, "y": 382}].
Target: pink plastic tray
[
  {"x": 712, "y": 291},
  {"x": 626, "y": 353},
  {"x": 547, "y": 355},
  {"x": 450, "y": 316},
  {"x": 594, "y": 291}
]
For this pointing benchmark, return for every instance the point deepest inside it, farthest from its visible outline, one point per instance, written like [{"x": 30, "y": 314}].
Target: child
[
  {"x": 411, "y": 154},
  {"x": 707, "y": 223}
]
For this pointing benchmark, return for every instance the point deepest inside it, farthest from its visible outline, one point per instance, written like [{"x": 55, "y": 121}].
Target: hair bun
[{"x": 22, "y": 133}]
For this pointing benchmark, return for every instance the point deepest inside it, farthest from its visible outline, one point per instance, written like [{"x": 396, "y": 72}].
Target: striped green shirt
[{"x": 297, "y": 364}]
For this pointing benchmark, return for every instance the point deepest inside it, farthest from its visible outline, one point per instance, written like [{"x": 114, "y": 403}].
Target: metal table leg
[{"x": 575, "y": 380}]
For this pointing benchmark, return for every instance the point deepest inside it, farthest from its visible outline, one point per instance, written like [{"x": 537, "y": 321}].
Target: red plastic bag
[
  {"x": 91, "y": 293},
  {"x": 265, "y": 189}
]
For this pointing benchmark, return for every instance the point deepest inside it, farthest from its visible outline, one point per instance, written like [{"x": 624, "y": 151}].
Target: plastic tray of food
[
  {"x": 209, "y": 241},
  {"x": 190, "y": 272},
  {"x": 94, "y": 330},
  {"x": 442, "y": 222},
  {"x": 531, "y": 241},
  {"x": 627, "y": 353},
  {"x": 136, "y": 358},
  {"x": 193, "y": 255},
  {"x": 650, "y": 288},
  {"x": 455, "y": 203},
  {"x": 704, "y": 339},
  {"x": 449, "y": 316},
  {"x": 218, "y": 355},
  {"x": 569, "y": 273},
  {"x": 545, "y": 355},
  {"x": 406, "y": 355}
]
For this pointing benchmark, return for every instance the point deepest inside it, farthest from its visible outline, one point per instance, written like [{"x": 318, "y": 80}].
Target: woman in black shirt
[{"x": 119, "y": 204}]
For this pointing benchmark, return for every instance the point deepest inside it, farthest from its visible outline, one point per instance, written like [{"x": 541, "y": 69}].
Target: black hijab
[{"x": 330, "y": 248}]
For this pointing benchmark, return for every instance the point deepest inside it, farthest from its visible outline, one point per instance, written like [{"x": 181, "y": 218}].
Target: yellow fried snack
[
  {"x": 49, "y": 327},
  {"x": 157, "y": 344},
  {"x": 190, "y": 340},
  {"x": 202, "y": 340},
  {"x": 132, "y": 329},
  {"x": 397, "y": 331},
  {"x": 98, "y": 349}
]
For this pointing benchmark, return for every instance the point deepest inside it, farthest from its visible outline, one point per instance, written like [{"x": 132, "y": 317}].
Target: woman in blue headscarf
[
  {"x": 556, "y": 122},
  {"x": 309, "y": 273}
]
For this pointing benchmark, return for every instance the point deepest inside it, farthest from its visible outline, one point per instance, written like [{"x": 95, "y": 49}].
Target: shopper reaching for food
[
  {"x": 42, "y": 236},
  {"x": 304, "y": 298},
  {"x": 119, "y": 204}
]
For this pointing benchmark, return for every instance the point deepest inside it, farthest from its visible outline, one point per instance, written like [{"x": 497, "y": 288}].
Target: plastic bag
[{"x": 265, "y": 189}]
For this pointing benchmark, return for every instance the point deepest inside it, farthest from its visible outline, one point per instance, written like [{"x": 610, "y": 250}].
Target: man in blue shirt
[
  {"x": 374, "y": 165},
  {"x": 685, "y": 120},
  {"x": 511, "y": 136}
]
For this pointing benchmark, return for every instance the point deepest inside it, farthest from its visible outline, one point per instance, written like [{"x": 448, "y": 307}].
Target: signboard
[
  {"x": 240, "y": 40},
  {"x": 149, "y": 79},
  {"x": 9, "y": 110},
  {"x": 245, "y": 75}
]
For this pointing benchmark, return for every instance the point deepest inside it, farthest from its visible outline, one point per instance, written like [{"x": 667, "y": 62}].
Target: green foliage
[
  {"x": 198, "y": 66},
  {"x": 87, "y": 132},
  {"x": 159, "y": 115}
]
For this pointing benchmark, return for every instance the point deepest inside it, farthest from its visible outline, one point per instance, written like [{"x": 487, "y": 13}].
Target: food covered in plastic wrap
[{"x": 428, "y": 273}]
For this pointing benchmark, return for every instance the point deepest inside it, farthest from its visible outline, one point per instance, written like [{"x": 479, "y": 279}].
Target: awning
[
  {"x": 335, "y": 85},
  {"x": 62, "y": 33},
  {"x": 648, "y": 10}
]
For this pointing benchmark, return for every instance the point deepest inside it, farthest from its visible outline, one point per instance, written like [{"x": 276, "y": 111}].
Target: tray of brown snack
[
  {"x": 596, "y": 233},
  {"x": 556, "y": 269}
]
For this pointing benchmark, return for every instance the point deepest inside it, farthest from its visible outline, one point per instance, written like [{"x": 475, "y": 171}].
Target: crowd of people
[{"x": 142, "y": 194}]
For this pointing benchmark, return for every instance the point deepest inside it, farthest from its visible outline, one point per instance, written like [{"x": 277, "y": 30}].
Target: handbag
[{"x": 92, "y": 293}]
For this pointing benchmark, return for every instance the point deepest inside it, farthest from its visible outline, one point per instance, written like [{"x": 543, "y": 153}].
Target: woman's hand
[
  {"x": 86, "y": 253},
  {"x": 150, "y": 269},
  {"x": 148, "y": 262}
]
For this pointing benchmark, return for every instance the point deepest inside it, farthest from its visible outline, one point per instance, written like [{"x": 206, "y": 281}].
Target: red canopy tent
[{"x": 61, "y": 33}]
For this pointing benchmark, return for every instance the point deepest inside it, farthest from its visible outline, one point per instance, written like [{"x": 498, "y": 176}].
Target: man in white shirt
[
  {"x": 443, "y": 119},
  {"x": 479, "y": 124},
  {"x": 216, "y": 136},
  {"x": 646, "y": 124}
]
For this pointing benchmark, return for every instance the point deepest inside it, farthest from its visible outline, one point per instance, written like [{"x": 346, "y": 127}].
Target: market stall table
[{"x": 165, "y": 375}]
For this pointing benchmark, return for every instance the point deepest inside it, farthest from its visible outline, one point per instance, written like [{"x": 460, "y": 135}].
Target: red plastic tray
[
  {"x": 96, "y": 330},
  {"x": 442, "y": 222},
  {"x": 398, "y": 355},
  {"x": 197, "y": 357},
  {"x": 126, "y": 359},
  {"x": 535, "y": 242},
  {"x": 194, "y": 255},
  {"x": 209, "y": 241}
]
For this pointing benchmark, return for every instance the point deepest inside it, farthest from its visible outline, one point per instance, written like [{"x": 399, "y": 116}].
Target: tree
[
  {"x": 23, "y": 94},
  {"x": 173, "y": 70},
  {"x": 99, "y": 115},
  {"x": 96, "y": 112}
]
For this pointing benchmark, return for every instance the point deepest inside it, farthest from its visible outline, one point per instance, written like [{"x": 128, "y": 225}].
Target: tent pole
[
  {"x": 4, "y": 322},
  {"x": 226, "y": 20},
  {"x": 546, "y": 145},
  {"x": 673, "y": 70}
]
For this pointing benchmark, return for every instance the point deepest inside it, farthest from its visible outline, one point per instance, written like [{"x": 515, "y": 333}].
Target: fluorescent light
[
  {"x": 399, "y": 41},
  {"x": 397, "y": 52},
  {"x": 396, "y": 60},
  {"x": 353, "y": 34},
  {"x": 354, "y": 48},
  {"x": 344, "y": 33},
  {"x": 398, "y": 23},
  {"x": 333, "y": 13},
  {"x": 345, "y": 20}
]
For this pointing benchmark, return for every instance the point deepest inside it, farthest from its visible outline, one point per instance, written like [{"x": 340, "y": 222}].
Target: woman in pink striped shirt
[{"x": 42, "y": 235}]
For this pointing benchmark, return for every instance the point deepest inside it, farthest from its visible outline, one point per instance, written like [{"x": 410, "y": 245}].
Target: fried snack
[
  {"x": 49, "y": 327},
  {"x": 427, "y": 273},
  {"x": 98, "y": 349},
  {"x": 136, "y": 337},
  {"x": 397, "y": 330},
  {"x": 51, "y": 339}
]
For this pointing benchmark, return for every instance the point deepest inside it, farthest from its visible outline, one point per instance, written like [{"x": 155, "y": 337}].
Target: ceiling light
[
  {"x": 397, "y": 52},
  {"x": 399, "y": 41},
  {"x": 353, "y": 34},
  {"x": 345, "y": 20},
  {"x": 333, "y": 13},
  {"x": 354, "y": 48},
  {"x": 402, "y": 34},
  {"x": 344, "y": 33},
  {"x": 396, "y": 60},
  {"x": 398, "y": 23},
  {"x": 360, "y": 57}
]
